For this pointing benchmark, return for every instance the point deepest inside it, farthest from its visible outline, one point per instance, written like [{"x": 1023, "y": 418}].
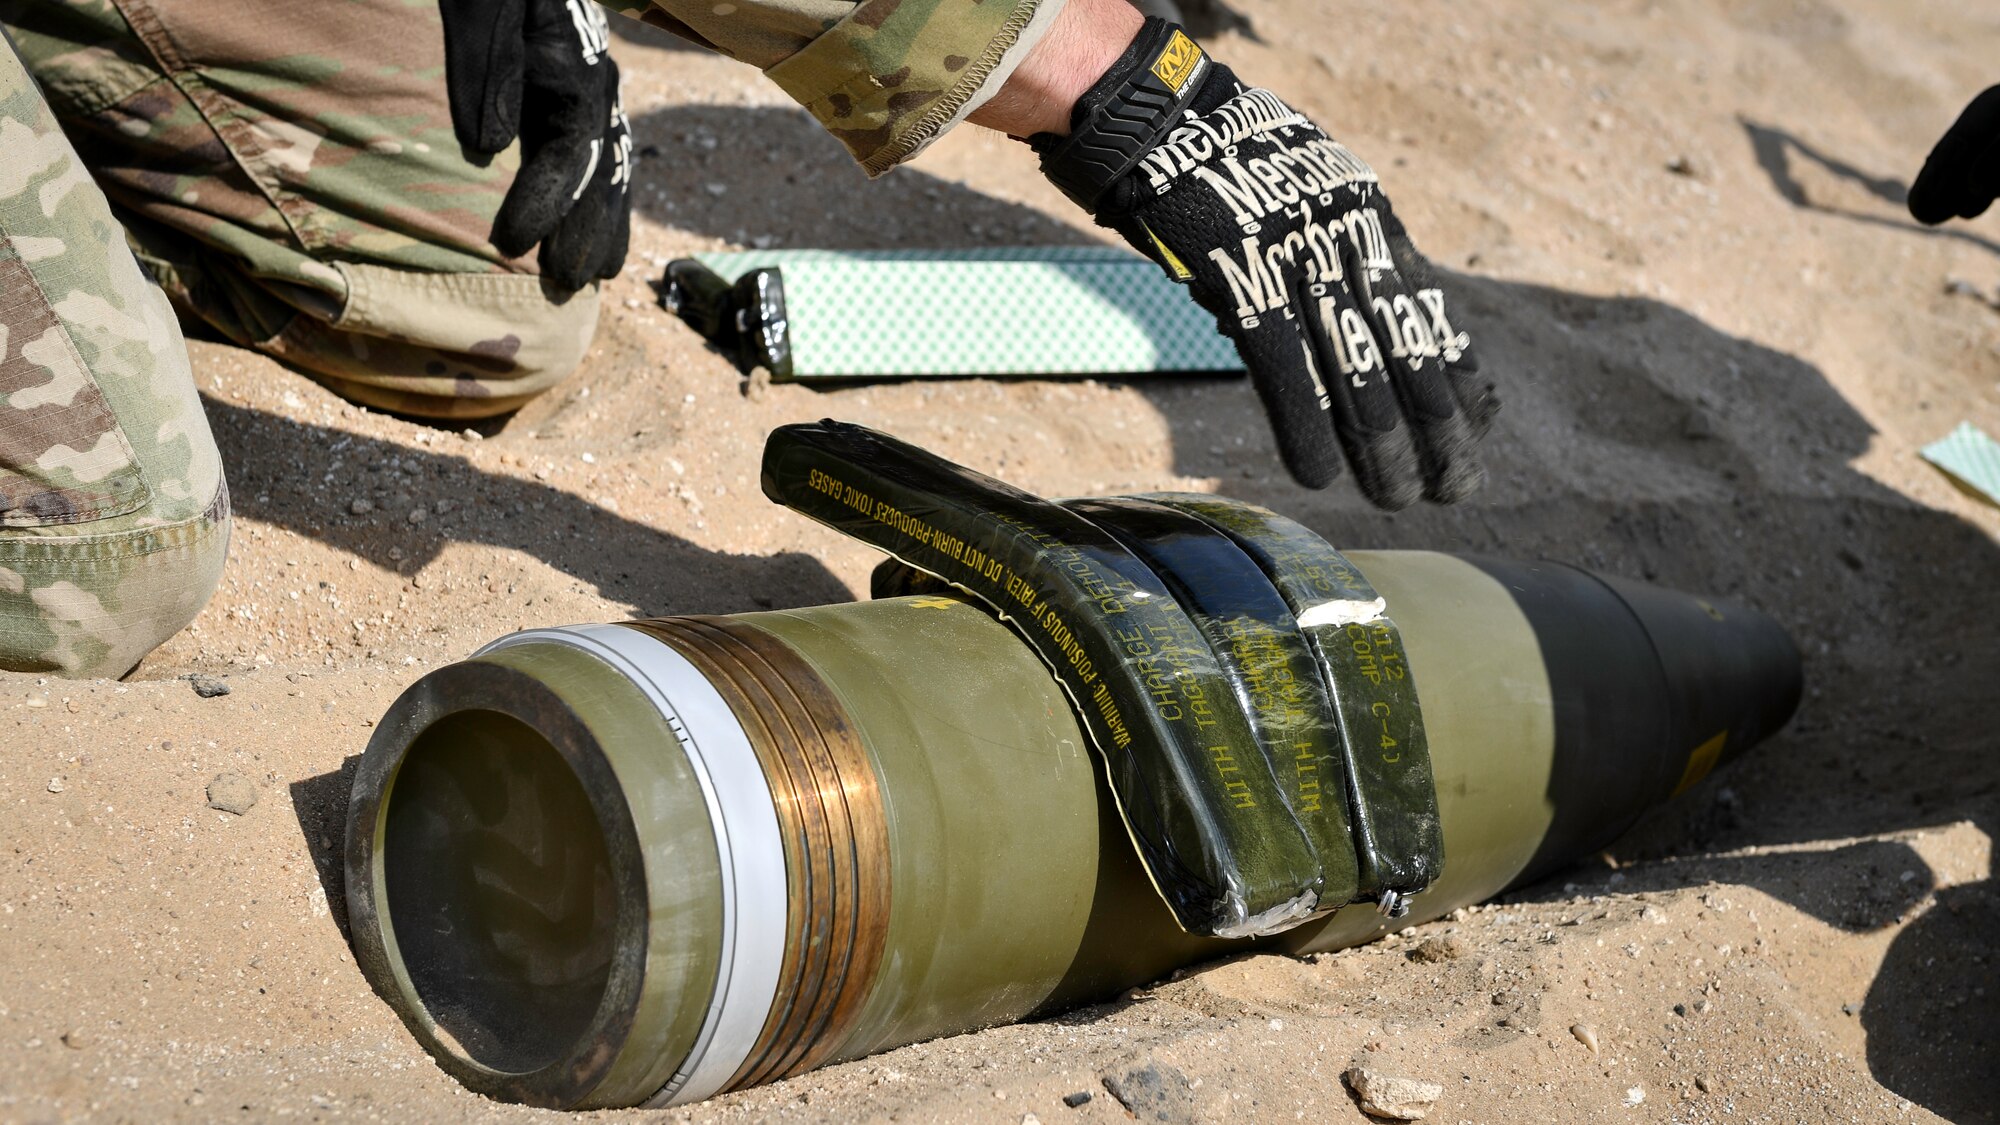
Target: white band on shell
[{"x": 740, "y": 809}]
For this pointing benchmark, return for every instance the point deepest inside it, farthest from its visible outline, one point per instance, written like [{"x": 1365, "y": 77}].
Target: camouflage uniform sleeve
[{"x": 886, "y": 77}]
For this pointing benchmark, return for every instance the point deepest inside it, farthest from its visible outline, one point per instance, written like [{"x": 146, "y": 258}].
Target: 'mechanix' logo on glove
[
  {"x": 1273, "y": 176},
  {"x": 1261, "y": 158}
]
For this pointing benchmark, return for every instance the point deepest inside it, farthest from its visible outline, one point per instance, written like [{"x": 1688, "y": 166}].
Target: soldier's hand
[
  {"x": 1961, "y": 177},
  {"x": 1285, "y": 236},
  {"x": 541, "y": 70}
]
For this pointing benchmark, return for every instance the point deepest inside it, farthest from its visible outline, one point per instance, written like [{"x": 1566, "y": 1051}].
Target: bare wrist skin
[{"x": 1088, "y": 36}]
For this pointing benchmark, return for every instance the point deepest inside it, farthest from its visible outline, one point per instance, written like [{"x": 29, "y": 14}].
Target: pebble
[
  {"x": 1154, "y": 1092},
  {"x": 1030, "y": 1119},
  {"x": 361, "y": 506},
  {"x": 418, "y": 515},
  {"x": 76, "y": 1039},
  {"x": 1684, "y": 165},
  {"x": 471, "y": 434},
  {"x": 1586, "y": 1035},
  {"x": 1654, "y": 915},
  {"x": 1391, "y": 1096},
  {"x": 56, "y": 785},
  {"x": 1076, "y": 1099},
  {"x": 1448, "y": 947},
  {"x": 231, "y": 793},
  {"x": 208, "y": 687},
  {"x": 1634, "y": 1095},
  {"x": 1702, "y": 1083}
]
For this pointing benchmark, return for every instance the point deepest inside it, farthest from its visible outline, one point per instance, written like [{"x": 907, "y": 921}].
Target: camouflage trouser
[
  {"x": 287, "y": 171},
  {"x": 114, "y": 519}
]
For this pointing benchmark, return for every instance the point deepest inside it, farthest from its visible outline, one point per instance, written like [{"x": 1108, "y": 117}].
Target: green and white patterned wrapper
[
  {"x": 1968, "y": 454},
  {"x": 1023, "y": 311}
]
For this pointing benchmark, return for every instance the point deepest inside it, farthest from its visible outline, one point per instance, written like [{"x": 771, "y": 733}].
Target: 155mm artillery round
[{"x": 644, "y": 863}]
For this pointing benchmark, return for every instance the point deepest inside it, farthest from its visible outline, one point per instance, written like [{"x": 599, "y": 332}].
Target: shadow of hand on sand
[
  {"x": 1774, "y": 149},
  {"x": 1639, "y": 441}
]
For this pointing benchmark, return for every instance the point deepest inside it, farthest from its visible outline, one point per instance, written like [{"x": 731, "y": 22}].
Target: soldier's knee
[
  {"x": 443, "y": 345},
  {"x": 95, "y": 605}
]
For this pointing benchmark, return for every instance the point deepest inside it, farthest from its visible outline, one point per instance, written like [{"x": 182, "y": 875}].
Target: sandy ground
[{"x": 1676, "y": 227}]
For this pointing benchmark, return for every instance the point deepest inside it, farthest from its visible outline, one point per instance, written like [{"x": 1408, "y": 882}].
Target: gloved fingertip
[
  {"x": 1312, "y": 472},
  {"x": 1387, "y": 469},
  {"x": 561, "y": 266},
  {"x": 612, "y": 250},
  {"x": 563, "y": 257},
  {"x": 1460, "y": 478},
  {"x": 522, "y": 224},
  {"x": 1306, "y": 446},
  {"x": 1393, "y": 496},
  {"x": 1925, "y": 206},
  {"x": 540, "y": 199},
  {"x": 510, "y": 241}
]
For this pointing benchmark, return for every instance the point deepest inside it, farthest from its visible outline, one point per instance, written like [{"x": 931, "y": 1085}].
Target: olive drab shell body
[{"x": 646, "y": 863}]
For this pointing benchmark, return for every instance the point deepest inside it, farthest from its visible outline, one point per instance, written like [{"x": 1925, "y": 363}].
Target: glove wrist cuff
[{"x": 1119, "y": 119}]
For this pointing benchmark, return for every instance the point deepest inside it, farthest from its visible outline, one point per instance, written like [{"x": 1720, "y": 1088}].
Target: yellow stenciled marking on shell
[
  {"x": 1701, "y": 761},
  {"x": 936, "y": 603}
]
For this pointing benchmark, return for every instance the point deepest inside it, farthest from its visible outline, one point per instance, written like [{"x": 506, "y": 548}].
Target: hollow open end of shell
[{"x": 499, "y": 891}]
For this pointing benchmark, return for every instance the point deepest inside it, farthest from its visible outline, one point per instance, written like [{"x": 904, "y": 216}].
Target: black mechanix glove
[
  {"x": 1284, "y": 235},
  {"x": 1961, "y": 177},
  {"x": 541, "y": 70}
]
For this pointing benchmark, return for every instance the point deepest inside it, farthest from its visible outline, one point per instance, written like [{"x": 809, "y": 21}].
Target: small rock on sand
[
  {"x": 1154, "y": 1093},
  {"x": 1585, "y": 1034},
  {"x": 1076, "y": 1099},
  {"x": 208, "y": 687},
  {"x": 231, "y": 793},
  {"x": 56, "y": 785},
  {"x": 1391, "y": 1096},
  {"x": 1444, "y": 948}
]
